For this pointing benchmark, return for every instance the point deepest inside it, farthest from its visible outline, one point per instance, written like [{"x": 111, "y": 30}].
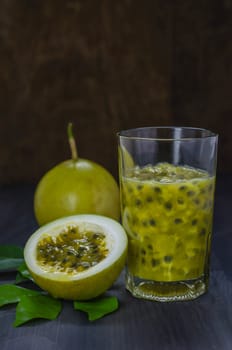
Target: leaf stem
[{"x": 72, "y": 143}]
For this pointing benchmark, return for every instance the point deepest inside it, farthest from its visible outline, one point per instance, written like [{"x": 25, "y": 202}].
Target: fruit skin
[
  {"x": 125, "y": 158},
  {"x": 76, "y": 187},
  {"x": 85, "y": 289},
  {"x": 71, "y": 288}
]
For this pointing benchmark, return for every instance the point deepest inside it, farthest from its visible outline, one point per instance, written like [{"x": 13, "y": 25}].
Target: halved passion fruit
[{"x": 77, "y": 257}]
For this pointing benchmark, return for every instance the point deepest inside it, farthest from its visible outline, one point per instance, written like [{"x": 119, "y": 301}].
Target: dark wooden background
[{"x": 108, "y": 65}]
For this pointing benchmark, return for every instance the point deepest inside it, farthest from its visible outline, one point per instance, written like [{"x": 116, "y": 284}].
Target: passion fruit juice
[{"x": 167, "y": 213}]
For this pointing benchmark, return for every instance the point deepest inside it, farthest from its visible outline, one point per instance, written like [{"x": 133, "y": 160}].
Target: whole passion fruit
[
  {"x": 77, "y": 257},
  {"x": 76, "y": 186}
]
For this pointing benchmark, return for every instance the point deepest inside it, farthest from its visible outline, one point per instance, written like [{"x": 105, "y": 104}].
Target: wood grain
[
  {"x": 108, "y": 66},
  {"x": 204, "y": 323}
]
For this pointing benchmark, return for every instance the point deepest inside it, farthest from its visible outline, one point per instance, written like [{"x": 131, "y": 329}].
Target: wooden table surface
[{"x": 202, "y": 324}]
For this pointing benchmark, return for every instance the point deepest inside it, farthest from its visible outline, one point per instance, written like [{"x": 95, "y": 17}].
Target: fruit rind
[
  {"x": 76, "y": 187},
  {"x": 87, "y": 284}
]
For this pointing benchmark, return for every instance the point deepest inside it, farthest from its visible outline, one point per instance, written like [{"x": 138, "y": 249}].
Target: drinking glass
[{"x": 167, "y": 182}]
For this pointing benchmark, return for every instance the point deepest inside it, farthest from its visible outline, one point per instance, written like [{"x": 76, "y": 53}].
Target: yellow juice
[{"x": 167, "y": 213}]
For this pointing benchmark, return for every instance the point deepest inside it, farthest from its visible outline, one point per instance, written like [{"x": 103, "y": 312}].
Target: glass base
[{"x": 166, "y": 291}]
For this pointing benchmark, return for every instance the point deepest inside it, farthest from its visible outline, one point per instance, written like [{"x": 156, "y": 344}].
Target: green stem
[{"x": 72, "y": 143}]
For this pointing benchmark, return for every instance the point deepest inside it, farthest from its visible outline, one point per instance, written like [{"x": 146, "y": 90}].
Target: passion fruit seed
[
  {"x": 168, "y": 205},
  {"x": 172, "y": 201},
  {"x": 71, "y": 251},
  {"x": 77, "y": 257}
]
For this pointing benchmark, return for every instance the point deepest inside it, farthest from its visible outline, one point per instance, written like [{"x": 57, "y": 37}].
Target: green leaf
[
  {"x": 11, "y": 251},
  {"x": 10, "y": 294},
  {"x": 9, "y": 264},
  {"x": 19, "y": 278},
  {"x": 97, "y": 308},
  {"x": 23, "y": 274},
  {"x": 10, "y": 257},
  {"x": 31, "y": 307}
]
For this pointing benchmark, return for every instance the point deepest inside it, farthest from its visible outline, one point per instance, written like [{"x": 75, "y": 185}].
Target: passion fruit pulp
[{"x": 77, "y": 257}]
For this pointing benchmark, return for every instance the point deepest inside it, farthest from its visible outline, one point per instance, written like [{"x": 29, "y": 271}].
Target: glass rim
[{"x": 209, "y": 134}]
